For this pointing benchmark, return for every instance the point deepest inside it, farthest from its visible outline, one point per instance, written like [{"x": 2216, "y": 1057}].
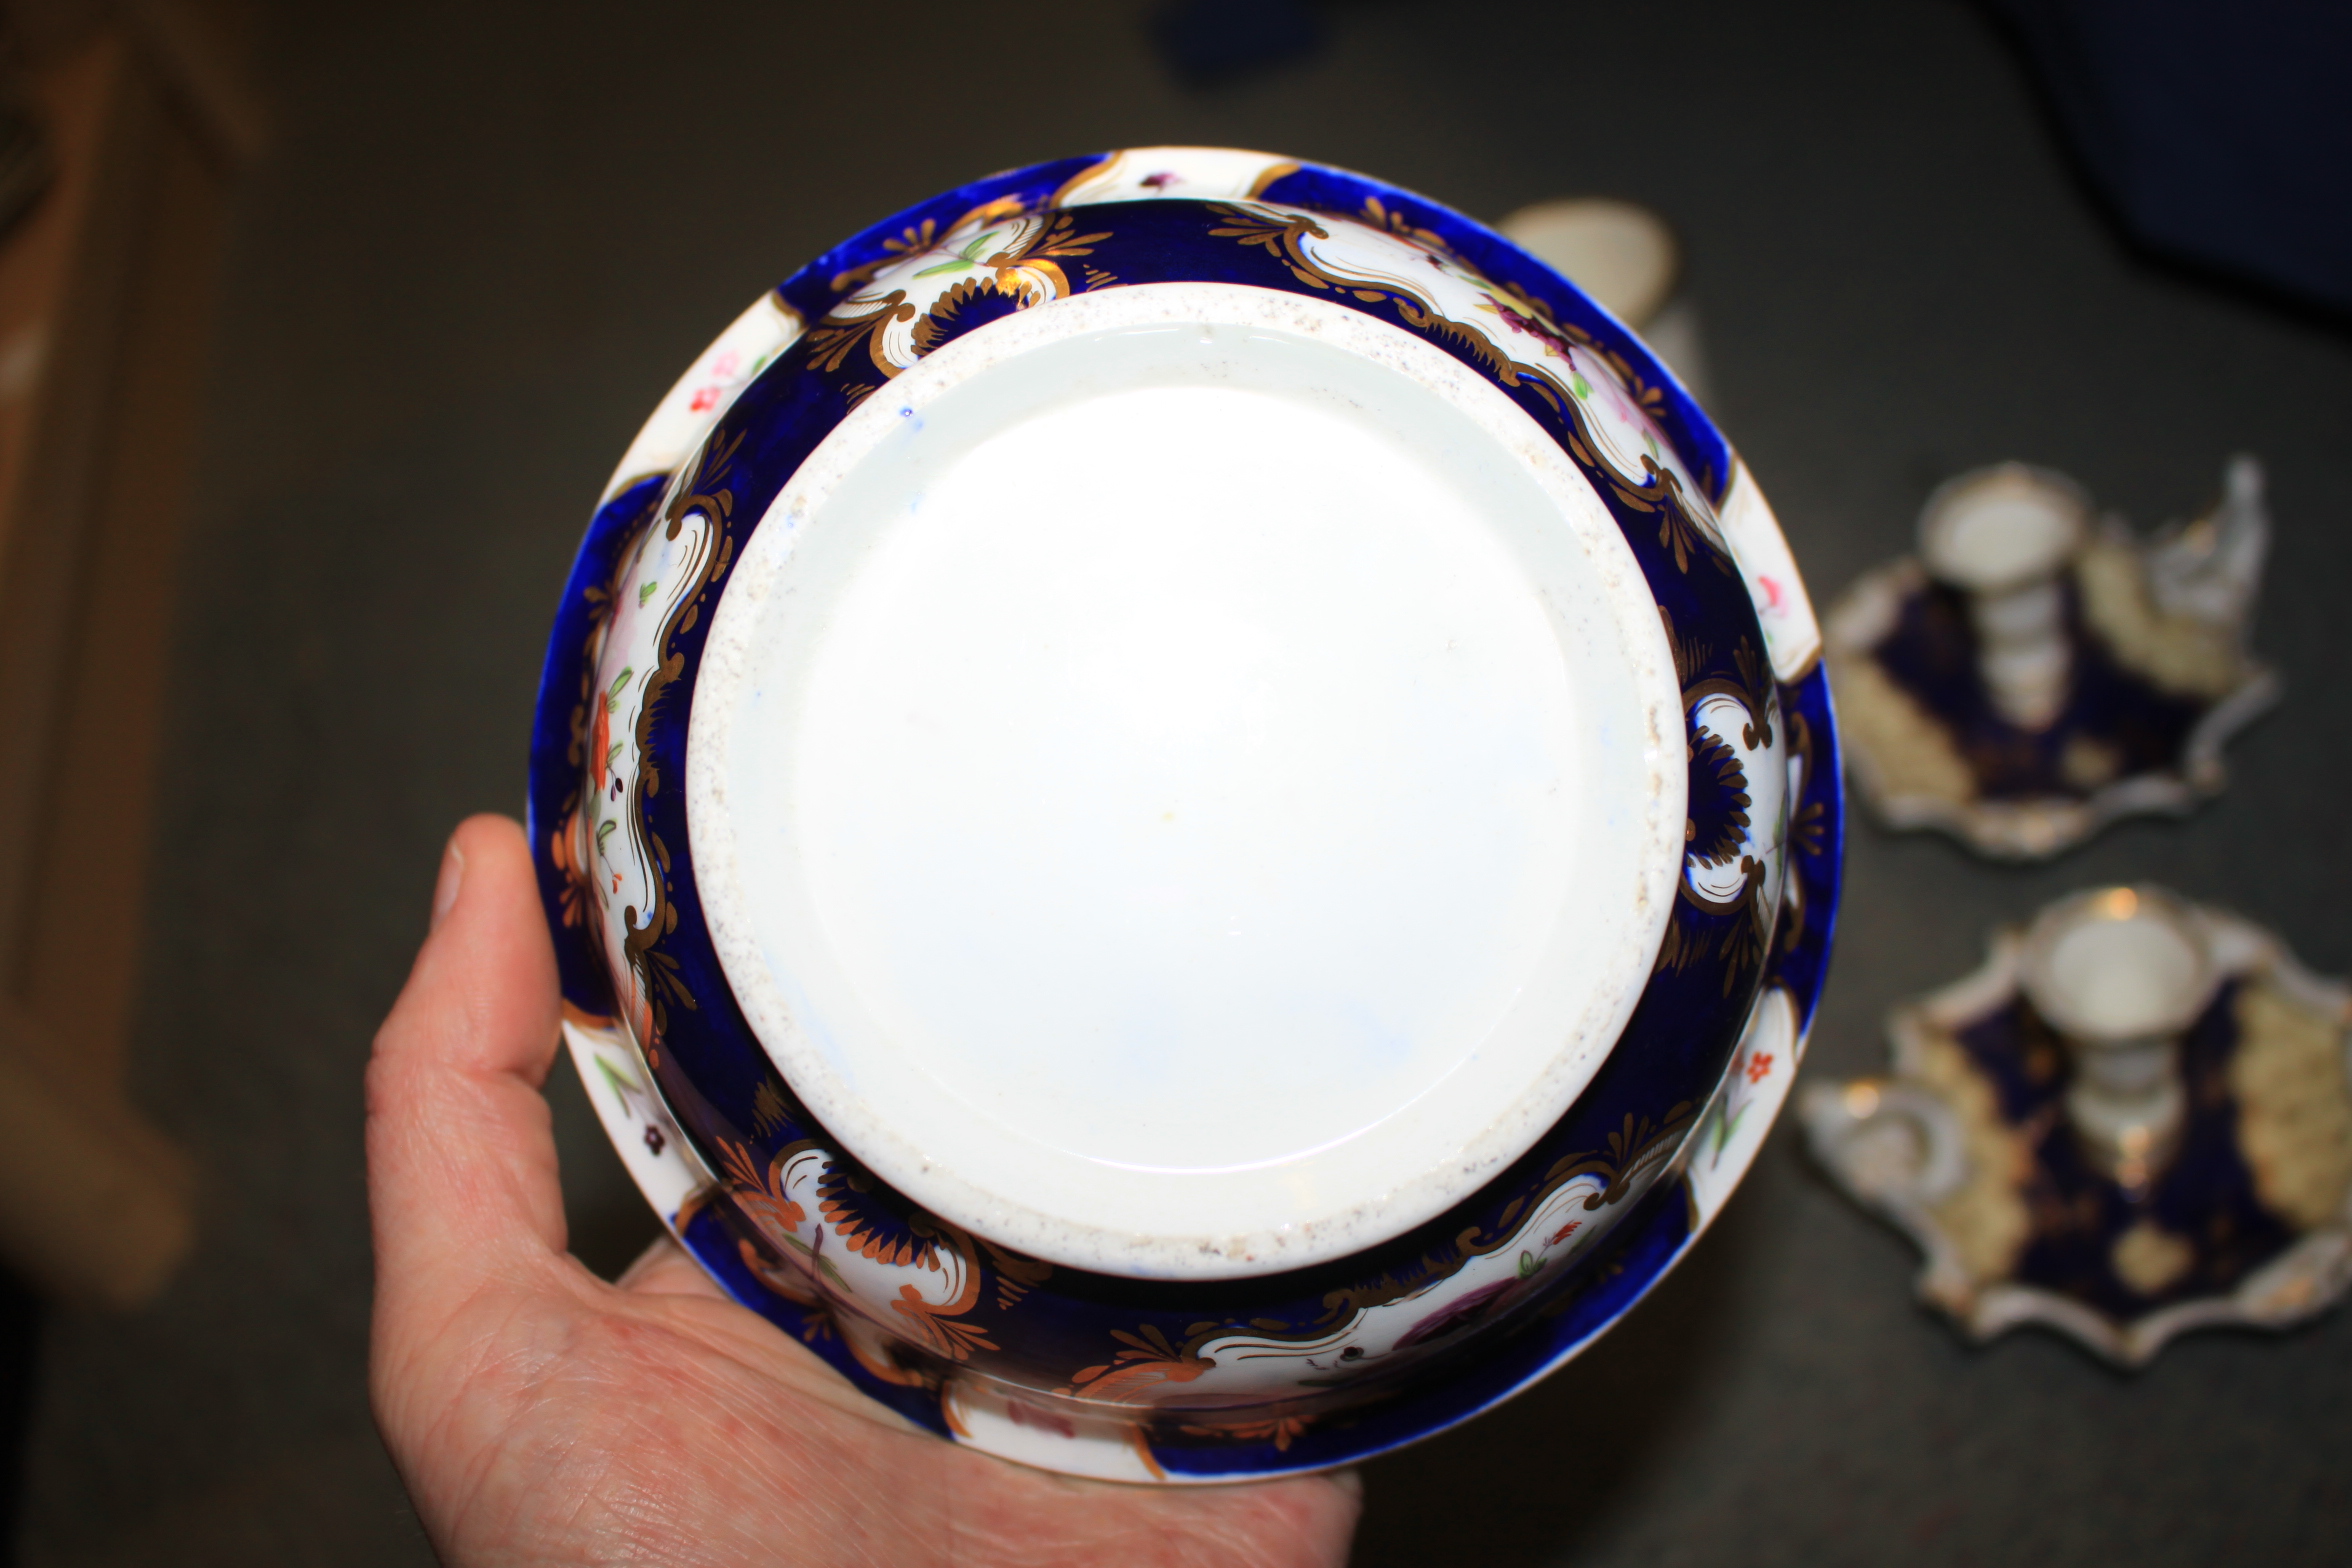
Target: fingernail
[
  {"x": 446, "y": 885},
  {"x": 1348, "y": 1481}
]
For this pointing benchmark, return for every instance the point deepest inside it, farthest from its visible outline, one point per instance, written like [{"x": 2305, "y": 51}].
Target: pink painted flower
[{"x": 1459, "y": 1314}]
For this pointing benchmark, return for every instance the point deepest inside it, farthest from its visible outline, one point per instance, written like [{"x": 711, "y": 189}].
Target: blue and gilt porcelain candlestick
[
  {"x": 2035, "y": 673},
  {"x": 2134, "y": 1120}
]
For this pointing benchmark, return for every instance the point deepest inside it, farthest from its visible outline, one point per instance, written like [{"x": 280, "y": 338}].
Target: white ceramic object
[
  {"x": 1191, "y": 815},
  {"x": 1333, "y": 810},
  {"x": 2133, "y": 1121},
  {"x": 2003, "y": 536},
  {"x": 2120, "y": 973},
  {"x": 1627, "y": 257},
  {"x": 2033, "y": 674},
  {"x": 1620, "y": 252}
]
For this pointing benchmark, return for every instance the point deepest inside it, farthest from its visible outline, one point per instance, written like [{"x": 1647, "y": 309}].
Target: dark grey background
[{"x": 489, "y": 236}]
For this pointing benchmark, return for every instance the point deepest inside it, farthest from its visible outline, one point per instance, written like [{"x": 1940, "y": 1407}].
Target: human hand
[{"x": 540, "y": 1415}]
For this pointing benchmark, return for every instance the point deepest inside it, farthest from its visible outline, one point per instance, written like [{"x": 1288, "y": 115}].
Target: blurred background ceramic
[
  {"x": 2035, "y": 672},
  {"x": 1629, "y": 259},
  {"x": 2134, "y": 1120}
]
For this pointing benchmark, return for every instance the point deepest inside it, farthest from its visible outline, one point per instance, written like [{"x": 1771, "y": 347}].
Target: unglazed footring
[{"x": 1199, "y": 806}]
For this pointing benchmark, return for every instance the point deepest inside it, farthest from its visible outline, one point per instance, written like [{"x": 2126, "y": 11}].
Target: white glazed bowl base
[{"x": 1161, "y": 854}]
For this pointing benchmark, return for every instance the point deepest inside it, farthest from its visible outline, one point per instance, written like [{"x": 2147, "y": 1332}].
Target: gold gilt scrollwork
[
  {"x": 915, "y": 239},
  {"x": 1743, "y": 939},
  {"x": 853, "y": 1225},
  {"x": 1808, "y": 835},
  {"x": 1280, "y": 1431},
  {"x": 759, "y": 1194},
  {"x": 1031, "y": 266},
  {"x": 1711, "y": 754},
  {"x": 590, "y": 750},
  {"x": 768, "y": 1110},
  {"x": 841, "y": 334},
  {"x": 1277, "y": 234},
  {"x": 1150, "y": 1357},
  {"x": 1287, "y": 236},
  {"x": 1633, "y": 1151},
  {"x": 1017, "y": 257},
  {"x": 1146, "y": 1359},
  {"x": 1629, "y": 1153},
  {"x": 1677, "y": 534},
  {"x": 1742, "y": 945},
  {"x": 940, "y": 319},
  {"x": 928, "y": 1246},
  {"x": 707, "y": 494},
  {"x": 1017, "y": 1274},
  {"x": 936, "y": 1325}
]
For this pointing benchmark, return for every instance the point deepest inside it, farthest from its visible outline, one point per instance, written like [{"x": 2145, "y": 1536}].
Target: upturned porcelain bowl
[{"x": 1189, "y": 813}]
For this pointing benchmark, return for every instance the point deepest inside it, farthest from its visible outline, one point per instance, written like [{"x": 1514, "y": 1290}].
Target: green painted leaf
[
  {"x": 945, "y": 266},
  {"x": 645, "y": 592},
  {"x": 620, "y": 683},
  {"x": 1526, "y": 1265},
  {"x": 1578, "y": 385},
  {"x": 625, "y": 1088},
  {"x": 604, "y": 830}
]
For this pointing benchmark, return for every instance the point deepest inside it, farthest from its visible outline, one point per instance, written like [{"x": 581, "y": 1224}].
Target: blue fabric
[
  {"x": 1208, "y": 42},
  {"x": 2221, "y": 134}
]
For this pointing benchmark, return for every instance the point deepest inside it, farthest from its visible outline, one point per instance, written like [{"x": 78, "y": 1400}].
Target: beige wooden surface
[{"x": 105, "y": 301}]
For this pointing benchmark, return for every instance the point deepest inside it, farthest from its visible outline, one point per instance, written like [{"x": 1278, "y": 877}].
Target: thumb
[{"x": 461, "y": 1152}]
